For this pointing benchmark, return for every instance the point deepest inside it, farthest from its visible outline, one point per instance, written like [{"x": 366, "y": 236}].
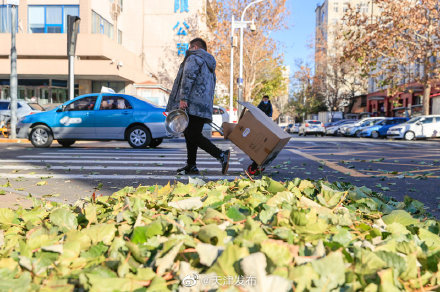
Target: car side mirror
[
  {"x": 61, "y": 108},
  {"x": 418, "y": 123}
]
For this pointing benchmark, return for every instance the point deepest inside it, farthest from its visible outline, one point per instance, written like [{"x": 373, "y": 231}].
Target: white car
[
  {"x": 219, "y": 116},
  {"x": 418, "y": 127},
  {"x": 23, "y": 109},
  {"x": 313, "y": 127}
]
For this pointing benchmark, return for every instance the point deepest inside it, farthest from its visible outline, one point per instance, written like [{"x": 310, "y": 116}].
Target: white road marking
[
  {"x": 101, "y": 167},
  {"x": 113, "y": 177},
  {"x": 136, "y": 162}
]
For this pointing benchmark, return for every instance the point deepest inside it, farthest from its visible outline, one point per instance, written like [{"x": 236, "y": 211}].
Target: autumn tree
[
  {"x": 397, "y": 43},
  {"x": 339, "y": 80},
  {"x": 261, "y": 62},
  {"x": 306, "y": 95}
]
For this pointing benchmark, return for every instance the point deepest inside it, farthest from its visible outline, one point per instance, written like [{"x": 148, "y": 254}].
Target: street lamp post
[
  {"x": 241, "y": 25},
  {"x": 231, "y": 81},
  {"x": 13, "y": 82},
  {"x": 240, "y": 77},
  {"x": 72, "y": 34}
]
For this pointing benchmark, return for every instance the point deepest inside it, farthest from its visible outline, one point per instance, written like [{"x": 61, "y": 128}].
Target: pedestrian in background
[
  {"x": 266, "y": 106},
  {"x": 193, "y": 91}
]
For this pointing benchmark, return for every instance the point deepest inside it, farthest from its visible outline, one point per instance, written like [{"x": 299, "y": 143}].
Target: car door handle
[{"x": 125, "y": 113}]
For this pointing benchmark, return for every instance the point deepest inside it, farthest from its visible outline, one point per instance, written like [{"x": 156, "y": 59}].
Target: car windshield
[
  {"x": 413, "y": 120},
  {"x": 36, "y": 106},
  {"x": 381, "y": 122}
]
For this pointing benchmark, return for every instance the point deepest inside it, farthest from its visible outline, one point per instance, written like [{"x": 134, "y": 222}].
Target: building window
[
  {"x": 335, "y": 7},
  {"x": 50, "y": 18},
  {"x": 121, "y": 4},
  {"x": 119, "y": 37},
  {"x": 5, "y": 19},
  {"x": 417, "y": 100},
  {"x": 117, "y": 86},
  {"x": 101, "y": 26}
]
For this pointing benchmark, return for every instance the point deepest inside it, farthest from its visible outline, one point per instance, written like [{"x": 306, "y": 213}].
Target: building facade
[
  {"x": 329, "y": 22},
  {"x": 120, "y": 44}
]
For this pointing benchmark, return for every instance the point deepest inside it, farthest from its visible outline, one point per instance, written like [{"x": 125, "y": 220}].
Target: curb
[{"x": 19, "y": 141}]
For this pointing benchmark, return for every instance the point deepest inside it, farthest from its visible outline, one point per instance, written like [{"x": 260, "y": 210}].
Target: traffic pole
[{"x": 13, "y": 78}]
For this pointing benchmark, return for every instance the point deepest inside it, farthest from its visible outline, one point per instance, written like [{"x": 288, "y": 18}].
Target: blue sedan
[
  {"x": 103, "y": 116},
  {"x": 380, "y": 129}
]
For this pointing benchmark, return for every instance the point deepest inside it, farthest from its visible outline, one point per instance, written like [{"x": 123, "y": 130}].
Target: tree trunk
[{"x": 426, "y": 98}]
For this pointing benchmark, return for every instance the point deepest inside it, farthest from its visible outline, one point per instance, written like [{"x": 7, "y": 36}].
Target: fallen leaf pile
[{"x": 260, "y": 235}]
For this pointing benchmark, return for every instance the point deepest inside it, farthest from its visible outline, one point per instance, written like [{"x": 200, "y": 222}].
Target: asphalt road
[{"x": 394, "y": 168}]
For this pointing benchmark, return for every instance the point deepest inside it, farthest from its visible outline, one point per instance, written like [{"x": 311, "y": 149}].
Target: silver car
[
  {"x": 313, "y": 127},
  {"x": 418, "y": 127}
]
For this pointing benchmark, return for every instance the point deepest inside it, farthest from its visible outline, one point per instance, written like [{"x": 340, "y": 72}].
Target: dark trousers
[{"x": 195, "y": 139}]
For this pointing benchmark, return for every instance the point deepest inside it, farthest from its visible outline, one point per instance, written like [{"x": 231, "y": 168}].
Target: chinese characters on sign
[
  {"x": 219, "y": 281},
  {"x": 182, "y": 5},
  {"x": 182, "y": 48},
  {"x": 181, "y": 29}
]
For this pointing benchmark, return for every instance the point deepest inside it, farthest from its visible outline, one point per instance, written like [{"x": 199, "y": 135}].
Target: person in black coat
[{"x": 266, "y": 106}]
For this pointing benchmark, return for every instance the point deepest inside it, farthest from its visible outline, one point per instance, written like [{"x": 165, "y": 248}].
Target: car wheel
[
  {"x": 41, "y": 136},
  {"x": 375, "y": 134},
  {"x": 156, "y": 142},
  {"x": 358, "y": 134},
  {"x": 138, "y": 137},
  {"x": 66, "y": 143},
  {"x": 409, "y": 136}
]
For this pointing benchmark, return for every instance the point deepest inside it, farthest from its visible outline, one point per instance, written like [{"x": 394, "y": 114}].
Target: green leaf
[
  {"x": 7, "y": 216},
  {"x": 101, "y": 233},
  {"x": 64, "y": 218},
  {"x": 399, "y": 216},
  {"x": 280, "y": 253},
  {"x": 228, "y": 263},
  {"x": 235, "y": 214},
  {"x": 331, "y": 271},
  {"x": 212, "y": 234}
]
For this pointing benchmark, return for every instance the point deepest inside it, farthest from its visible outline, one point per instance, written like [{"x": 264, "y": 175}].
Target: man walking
[{"x": 193, "y": 90}]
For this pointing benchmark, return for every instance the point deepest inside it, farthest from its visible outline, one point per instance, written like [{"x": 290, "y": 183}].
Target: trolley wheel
[{"x": 251, "y": 170}]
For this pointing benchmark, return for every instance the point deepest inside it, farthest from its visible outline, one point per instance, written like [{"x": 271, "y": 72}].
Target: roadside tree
[{"x": 396, "y": 44}]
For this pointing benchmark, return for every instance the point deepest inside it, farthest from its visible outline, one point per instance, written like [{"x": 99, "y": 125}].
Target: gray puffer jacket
[{"x": 195, "y": 84}]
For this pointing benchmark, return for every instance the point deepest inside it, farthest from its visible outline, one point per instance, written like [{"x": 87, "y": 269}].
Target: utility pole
[
  {"x": 72, "y": 34},
  {"x": 231, "y": 81},
  {"x": 13, "y": 78},
  {"x": 242, "y": 24}
]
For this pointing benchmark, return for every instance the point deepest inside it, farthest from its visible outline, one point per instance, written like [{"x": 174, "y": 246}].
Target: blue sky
[{"x": 294, "y": 40}]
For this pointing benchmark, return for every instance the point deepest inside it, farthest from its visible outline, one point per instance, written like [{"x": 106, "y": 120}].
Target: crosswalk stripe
[
  {"x": 113, "y": 177},
  {"x": 80, "y": 154},
  {"x": 143, "y": 161},
  {"x": 144, "y": 157},
  {"x": 100, "y": 167}
]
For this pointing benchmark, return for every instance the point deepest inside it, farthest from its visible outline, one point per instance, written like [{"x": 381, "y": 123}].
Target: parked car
[
  {"x": 356, "y": 128},
  {"x": 416, "y": 128},
  {"x": 311, "y": 127},
  {"x": 380, "y": 129},
  {"x": 335, "y": 129},
  {"x": 103, "y": 116},
  {"x": 219, "y": 115},
  {"x": 23, "y": 108},
  {"x": 293, "y": 128}
]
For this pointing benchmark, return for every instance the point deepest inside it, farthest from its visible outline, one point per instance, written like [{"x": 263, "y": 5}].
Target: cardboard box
[{"x": 257, "y": 135}]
